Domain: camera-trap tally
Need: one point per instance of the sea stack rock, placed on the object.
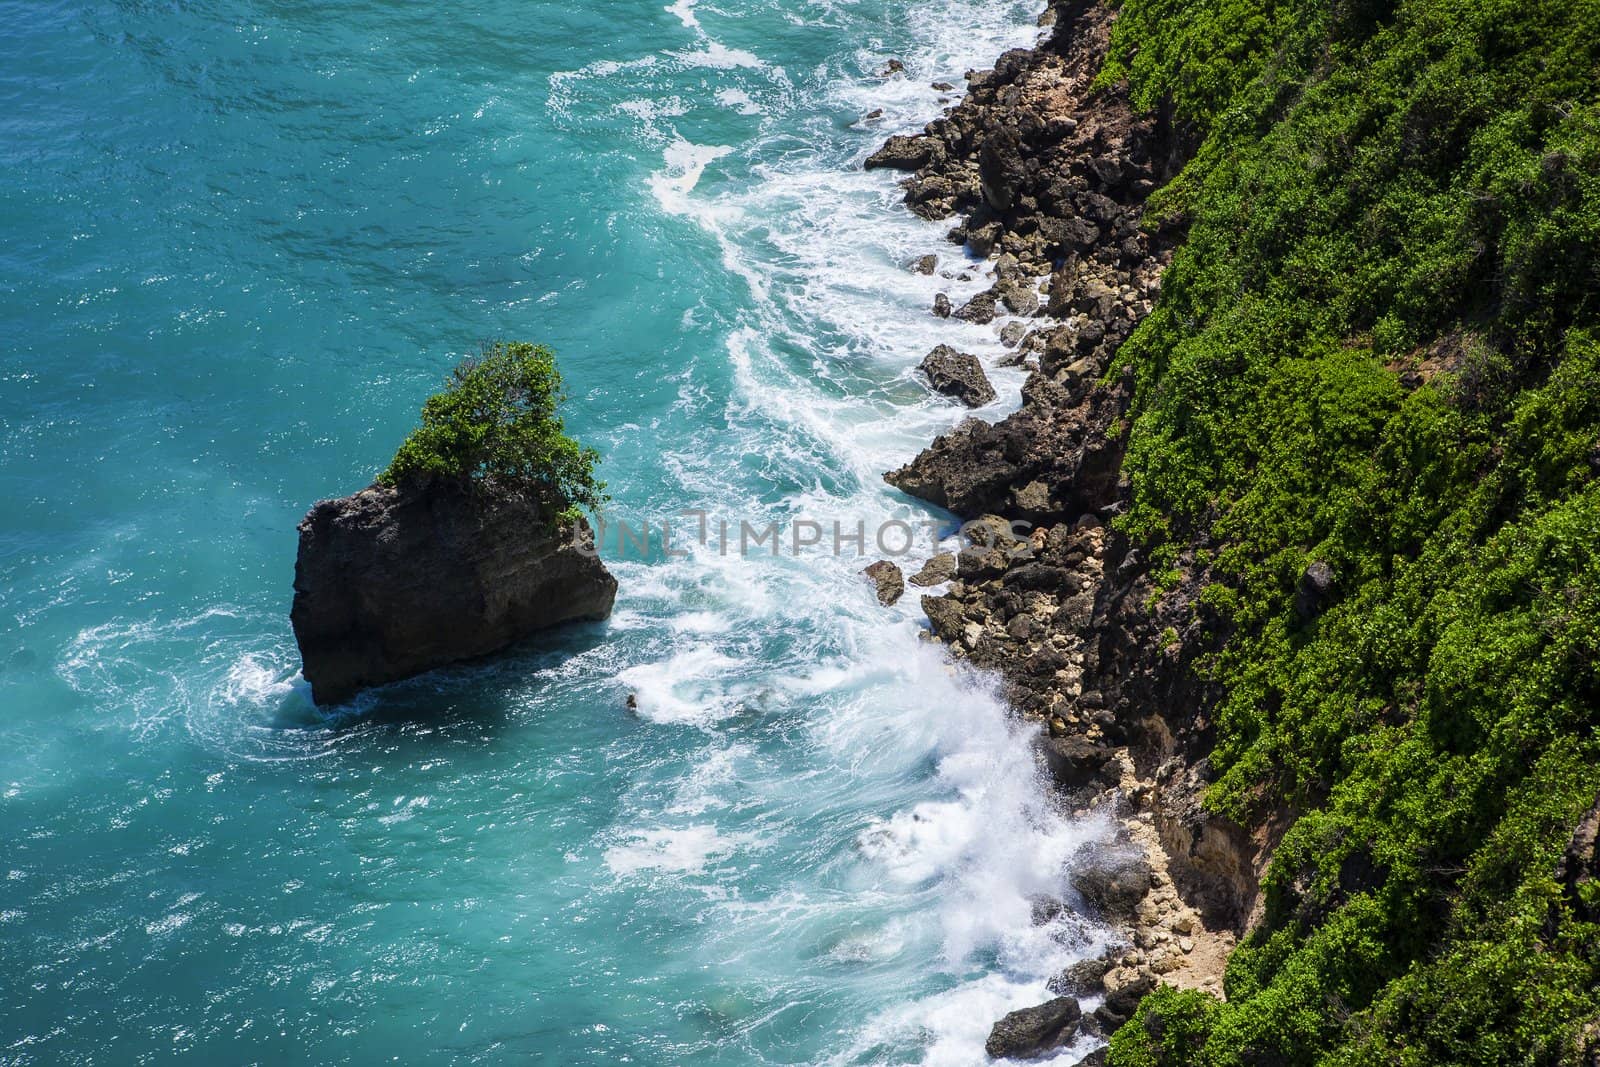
(392, 582)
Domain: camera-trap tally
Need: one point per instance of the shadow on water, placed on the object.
(477, 698)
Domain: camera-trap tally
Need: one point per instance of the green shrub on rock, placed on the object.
(496, 425)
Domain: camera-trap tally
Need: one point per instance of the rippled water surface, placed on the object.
(242, 242)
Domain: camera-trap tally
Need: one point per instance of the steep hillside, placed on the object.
(1312, 450)
(1373, 380)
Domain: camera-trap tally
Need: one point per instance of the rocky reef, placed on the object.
(394, 581)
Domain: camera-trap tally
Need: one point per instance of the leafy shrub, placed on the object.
(496, 425)
(1379, 348)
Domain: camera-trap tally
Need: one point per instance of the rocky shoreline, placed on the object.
(1047, 175)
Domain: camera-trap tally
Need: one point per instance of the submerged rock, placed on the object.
(390, 582)
(1032, 1032)
(959, 375)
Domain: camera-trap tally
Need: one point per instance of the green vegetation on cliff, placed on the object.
(497, 423)
(1379, 349)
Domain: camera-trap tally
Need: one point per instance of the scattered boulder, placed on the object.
(901, 152)
(1112, 879)
(1311, 591)
(1031, 1032)
(890, 583)
(1062, 291)
(1001, 169)
(1125, 989)
(392, 582)
(944, 617)
(941, 306)
(939, 569)
(926, 264)
(1075, 761)
(1020, 298)
(980, 309)
(959, 375)
(1082, 978)
(983, 239)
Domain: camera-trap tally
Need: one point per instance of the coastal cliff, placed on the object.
(1308, 458)
(393, 581)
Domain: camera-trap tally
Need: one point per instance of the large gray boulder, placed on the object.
(1032, 1032)
(959, 375)
(392, 582)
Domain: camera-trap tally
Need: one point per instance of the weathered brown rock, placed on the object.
(890, 583)
(979, 310)
(1084, 977)
(1075, 761)
(939, 569)
(390, 583)
(968, 470)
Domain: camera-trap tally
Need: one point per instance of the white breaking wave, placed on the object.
(929, 822)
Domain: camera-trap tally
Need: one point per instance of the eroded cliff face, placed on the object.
(392, 582)
(1049, 174)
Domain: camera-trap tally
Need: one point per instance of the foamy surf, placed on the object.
(822, 388)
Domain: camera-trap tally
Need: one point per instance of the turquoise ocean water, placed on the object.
(241, 242)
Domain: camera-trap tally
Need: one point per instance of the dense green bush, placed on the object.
(1379, 348)
(496, 424)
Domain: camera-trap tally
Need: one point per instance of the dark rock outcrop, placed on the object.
(1082, 978)
(1113, 880)
(1580, 864)
(959, 375)
(904, 153)
(390, 583)
(939, 569)
(890, 583)
(1312, 591)
(1031, 1032)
